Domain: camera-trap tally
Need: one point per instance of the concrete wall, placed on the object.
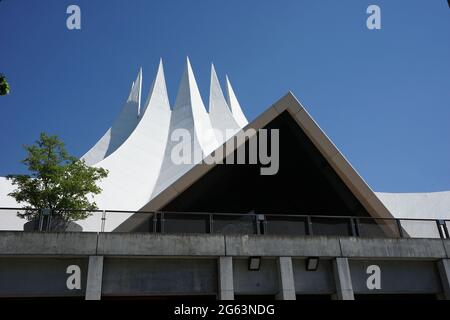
(248, 282)
(40, 277)
(124, 264)
(320, 281)
(125, 277)
(397, 277)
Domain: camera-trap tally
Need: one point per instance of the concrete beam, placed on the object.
(143, 244)
(94, 278)
(285, 279)
(343, 279)
(392, 248)
(226, 285)
(288, 246)
(447, 247)
(47, 243)
(15, 243)
(444, 272)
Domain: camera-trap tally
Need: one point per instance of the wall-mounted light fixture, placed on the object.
(312, 263)
(254, 263)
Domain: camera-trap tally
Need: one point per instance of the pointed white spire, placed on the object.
(158, 89)
(235, 106)
(189, 97)
(221, 117)
(134, 167)
(122, 127)
(190, 116)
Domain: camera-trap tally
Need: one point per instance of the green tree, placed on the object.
(57, 181)
(4, 86)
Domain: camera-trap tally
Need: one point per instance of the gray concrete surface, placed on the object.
(285, 279)
(43, 243)
(138, 276)
(392, 248)
(447, 247)
(444, 272)
(226, 287)
(94, 278)
(320, 281)
(267, 245)
(201, 264)
(343, 279)
(395, 277)
(249, 282)
(147, 244)
(160, 244)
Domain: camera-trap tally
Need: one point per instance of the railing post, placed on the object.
(162, 220)
(43, 213)
(357, 227)
(259, 220)
(258, 229)
(309, 226)
(103, 221)
(442, 228)
(49, 220)
(154, 222)
(210, 220)
(353, 227)
(41, 220)
(399, 226)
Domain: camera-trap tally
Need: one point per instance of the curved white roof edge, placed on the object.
(125, 123)
(234, 105)
(425, 205)
(220, 113)
(134, 166)
(429, 205)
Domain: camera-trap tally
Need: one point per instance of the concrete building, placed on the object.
(293, 221)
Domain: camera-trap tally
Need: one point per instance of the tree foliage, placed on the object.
(4, 86)
(57, 181)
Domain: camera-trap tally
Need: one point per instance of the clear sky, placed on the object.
(382, 96)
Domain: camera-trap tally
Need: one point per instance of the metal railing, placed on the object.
(228, 223)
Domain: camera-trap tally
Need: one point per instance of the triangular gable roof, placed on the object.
(322, 142)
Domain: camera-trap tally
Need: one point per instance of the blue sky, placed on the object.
(382, 96)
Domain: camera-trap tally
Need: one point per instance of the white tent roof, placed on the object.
(137, 152)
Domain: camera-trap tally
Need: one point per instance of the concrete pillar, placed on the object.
(343, 279)
(94, 278)
(285, 279)
(226, 286)
(444, 272)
